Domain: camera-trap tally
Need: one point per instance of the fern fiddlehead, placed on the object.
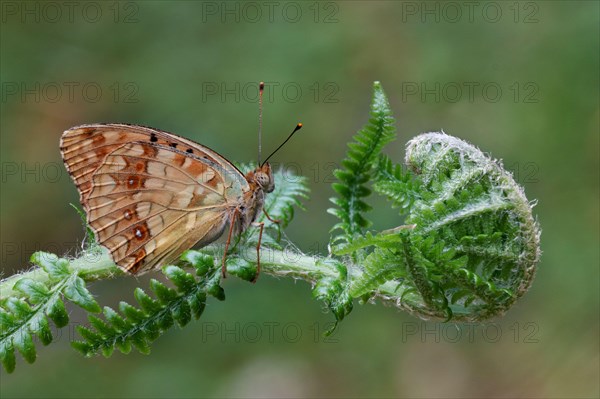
(468, 245)
(481, 214)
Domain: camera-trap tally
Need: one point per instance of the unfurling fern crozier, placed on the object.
(465, 245)
(474, 206)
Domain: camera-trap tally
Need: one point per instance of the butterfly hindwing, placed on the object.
(150, 241)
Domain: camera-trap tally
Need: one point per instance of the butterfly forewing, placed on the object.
(85, 147)
(148, 194)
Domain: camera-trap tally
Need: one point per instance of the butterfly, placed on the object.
(149, 195)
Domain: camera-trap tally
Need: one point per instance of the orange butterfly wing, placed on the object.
(84, 147)
(148, 194)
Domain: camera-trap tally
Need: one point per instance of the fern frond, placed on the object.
(138, 327)
(40, 301)
(287, 195)
(357, 168)
(279, 204)
(397, 185)
(380, 266)
(334, 291)
(381, 240)
(90, 238)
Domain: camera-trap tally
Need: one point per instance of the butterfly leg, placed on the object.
(262, 226)
(231, 225)
(276, 221)
(270, 218)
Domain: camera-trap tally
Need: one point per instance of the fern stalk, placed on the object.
(278, 263)
(91, 266)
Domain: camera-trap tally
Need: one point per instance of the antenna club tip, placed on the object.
(261, 85)
(299, 125)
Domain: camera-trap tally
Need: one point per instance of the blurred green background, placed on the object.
(517, 79)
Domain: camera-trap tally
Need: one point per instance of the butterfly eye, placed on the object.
(264, 181)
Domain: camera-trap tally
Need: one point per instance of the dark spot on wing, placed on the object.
(139, 261)
(141, 232)
(153, 138)
(189, 151)
(128, 214)
(87, 131)
(135, 182)
(174, 145)
(98, 140)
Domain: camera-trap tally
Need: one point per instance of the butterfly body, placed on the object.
(149, 195)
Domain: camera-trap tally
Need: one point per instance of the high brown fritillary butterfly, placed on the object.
(149, 195)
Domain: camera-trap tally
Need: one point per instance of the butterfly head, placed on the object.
(263, 177)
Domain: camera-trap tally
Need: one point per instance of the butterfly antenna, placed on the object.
(261, 88)
(298, 127)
